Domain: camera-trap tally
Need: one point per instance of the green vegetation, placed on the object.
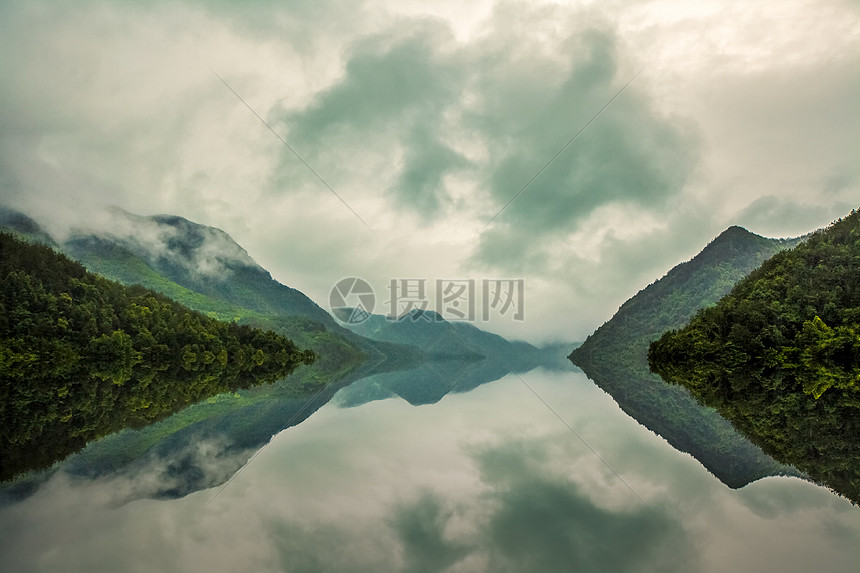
(238, 423)
(240, 291)
(119, 264)
(244, 292)
(615, 357)
(167, 254)
(187, 254)
(82, 356)
(779, 356)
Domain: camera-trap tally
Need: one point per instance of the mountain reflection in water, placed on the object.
(482, 479)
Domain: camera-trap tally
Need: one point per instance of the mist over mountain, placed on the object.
(173, 241)
(201, 258)
(24, 226)
(205, 269)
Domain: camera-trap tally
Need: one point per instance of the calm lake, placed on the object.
(489, 479)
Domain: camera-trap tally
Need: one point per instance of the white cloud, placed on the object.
(116, 104)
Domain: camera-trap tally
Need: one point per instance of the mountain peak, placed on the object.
(173, 241)
(737, 241)
(25, 227)
(736, 233)
(735, 230)
(417, 314)
(17, 221)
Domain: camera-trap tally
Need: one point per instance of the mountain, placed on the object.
(200, 258)
(428, 331)
(779, 356)
(461, 358)
(24, 227)
(205, 269)
(615, 356)
(82, 356)
(209, 260)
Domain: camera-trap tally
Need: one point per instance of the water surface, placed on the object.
(484, 480)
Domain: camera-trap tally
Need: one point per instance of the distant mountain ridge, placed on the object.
(435, 336)
(615, 356)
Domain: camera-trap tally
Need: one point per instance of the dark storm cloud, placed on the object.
(420, 184)
(630, 155)
(393, 93)
(387, 79)
(517, 98)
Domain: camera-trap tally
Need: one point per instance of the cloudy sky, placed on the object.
(441, 140)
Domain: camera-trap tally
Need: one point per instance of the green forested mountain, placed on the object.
(615, 356)
(205, 269)
(779, 356)
(202, 259)
(213, 297)
(82, 356)
(202, 256)
(24, 227)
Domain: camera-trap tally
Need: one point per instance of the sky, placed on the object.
(585, 147)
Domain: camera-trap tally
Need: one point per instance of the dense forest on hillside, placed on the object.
(615, 356)
(170, 248)
(779, 356)
(242, 292)
(82, 356)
